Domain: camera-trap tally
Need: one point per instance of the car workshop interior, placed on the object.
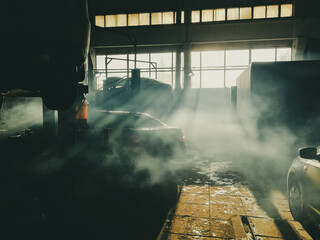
(160, 120)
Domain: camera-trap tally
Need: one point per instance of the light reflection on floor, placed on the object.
(230, 212)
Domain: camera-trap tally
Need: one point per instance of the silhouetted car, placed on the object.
(44, 48)
(155, 97)
(140, 133)
(303, 183)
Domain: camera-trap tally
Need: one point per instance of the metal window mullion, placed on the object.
(200, 69)
(226, 14)
(128, 63)
(224, 69)
(127, 19)
(252, 12)
(172, 69)
(149, 65)
(266, 12)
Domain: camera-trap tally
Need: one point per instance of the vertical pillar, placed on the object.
(67, 126)
(48, 121)
(187, 46)
(135, 80)
(178, 70)
(187, 67)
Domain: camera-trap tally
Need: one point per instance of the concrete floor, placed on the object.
(215, 202)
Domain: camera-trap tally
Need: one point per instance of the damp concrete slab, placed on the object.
(231, 212)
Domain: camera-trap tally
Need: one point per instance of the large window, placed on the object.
(160, 66)
(218, 69)
(211, 69)
(197, 16)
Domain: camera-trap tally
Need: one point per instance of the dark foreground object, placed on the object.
(75, 193)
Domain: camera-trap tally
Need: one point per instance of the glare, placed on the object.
(212, 58)
(263, 55)
(237, 57)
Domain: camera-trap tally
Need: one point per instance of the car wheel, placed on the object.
(296, 203)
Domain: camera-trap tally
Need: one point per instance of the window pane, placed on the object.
(286, 10)
(101, 62)
(212, 59)
(111, 20)
(219, 14)
(263, 55)
(144, 74)
(145, 58)
(195, 16)
(117, 64)
(144, 19)
(233, 14)
(165, 77)
(237, 58)
(121, 20)
(246, 13)
(231, 77)
(195, 79)
(284, 54)
(167, 17)
(259, 12)
(182, 16)
(156, 18)
(212, 79)
(133, 19)
(207, 15)
(195, 59)
(100, 21)
(163, 60)
(100, 78)
(272, 11)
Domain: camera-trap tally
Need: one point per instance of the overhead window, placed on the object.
(168, 18)
(100, 21)
(144, 19)
(233, 13)
(220, 14)
(182, 16)
(110, 21)
(207, 15)
(133, 19)
(156, 18)
(195, 16)
(121, 20)
(272, 11)
(286, 10)
(138, 19)
(245, 13)
(259, 12)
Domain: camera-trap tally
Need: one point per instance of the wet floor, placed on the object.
(218, 201)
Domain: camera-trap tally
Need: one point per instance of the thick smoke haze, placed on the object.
(212, 128)
(17, 114)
